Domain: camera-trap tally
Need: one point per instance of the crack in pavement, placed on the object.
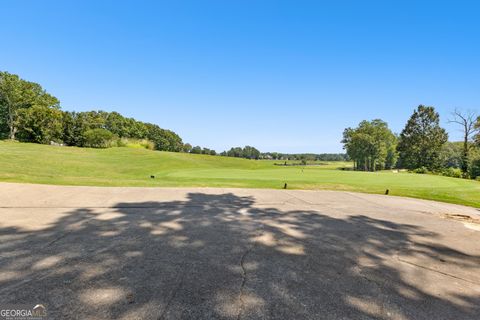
(172, 297)
(298, 198)
(63, 235)
(244, 270)
(436, 271)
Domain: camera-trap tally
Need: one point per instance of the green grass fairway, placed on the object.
(34, 163)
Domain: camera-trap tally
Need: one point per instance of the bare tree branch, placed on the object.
(469, 127)
(467, 120)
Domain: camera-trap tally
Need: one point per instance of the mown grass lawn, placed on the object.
(33, 163)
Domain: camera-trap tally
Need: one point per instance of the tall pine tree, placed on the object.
(421, 140)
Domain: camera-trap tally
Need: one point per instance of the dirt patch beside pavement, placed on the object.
(462, 217)
(467, 220)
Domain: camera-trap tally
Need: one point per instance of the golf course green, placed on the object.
(35, 163)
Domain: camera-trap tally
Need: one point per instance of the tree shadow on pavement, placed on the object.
(220, 256)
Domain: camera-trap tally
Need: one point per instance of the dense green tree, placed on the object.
(125, 127)
(451, 155)
(476, 137)
(40, 124)
(156, 135)
(174, 141)
(71, 131)
(371, 145)
(196, 150)
(360, 147)
(93, 119)
(475, 169)
(474, 165)
(187, 147)
(118, 124)
(247, 152)
(421, 140)
(4, 127)
(250, 152)
(17, 94)
(208, 151)
(164, 140)
(76, 124)
(136, 129)
(235, 152)
(392, 156)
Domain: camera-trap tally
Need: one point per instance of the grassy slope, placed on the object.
(22, 162)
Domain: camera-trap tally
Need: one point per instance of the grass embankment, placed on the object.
(33, 163)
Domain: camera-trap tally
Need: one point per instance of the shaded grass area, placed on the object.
(33, 163)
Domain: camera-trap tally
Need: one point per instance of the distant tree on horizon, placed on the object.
(187, 147)
(196, 150)
(247, 152)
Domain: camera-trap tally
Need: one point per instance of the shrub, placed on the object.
(99, 138)
(140, 143)
(122, 142)
(421, 170)
(136, 143)
(452, 172)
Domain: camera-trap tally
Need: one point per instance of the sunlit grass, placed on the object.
(33, 163)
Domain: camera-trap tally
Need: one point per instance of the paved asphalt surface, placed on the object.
(201, 253)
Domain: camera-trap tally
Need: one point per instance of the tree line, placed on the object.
(305, 156)
(28, 113)
(422, 146)
(249, 152)
(187, 147)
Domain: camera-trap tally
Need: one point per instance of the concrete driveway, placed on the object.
(151, 253)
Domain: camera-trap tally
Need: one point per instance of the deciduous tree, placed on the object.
(40, 124)
(17, 94)
(466, 121)
(371, 145)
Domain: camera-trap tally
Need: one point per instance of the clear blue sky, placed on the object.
(279, 75)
